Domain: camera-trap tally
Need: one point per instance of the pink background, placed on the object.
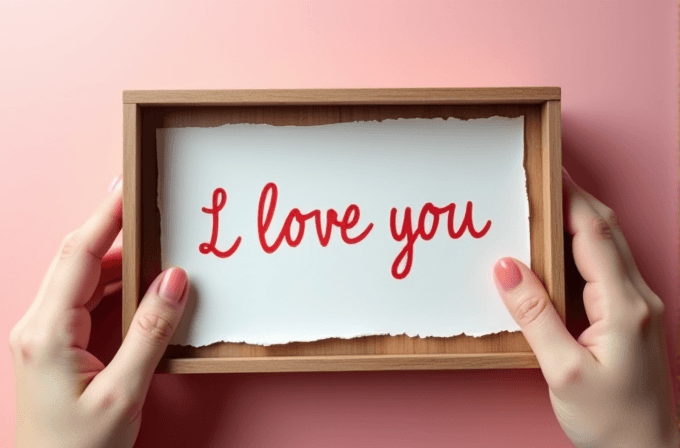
(65, 64)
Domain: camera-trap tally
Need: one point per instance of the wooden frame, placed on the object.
(145, 111)
(677, 145)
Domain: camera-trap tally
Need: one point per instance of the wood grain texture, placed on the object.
(677, 143)
(348, 363)
(482, 95)
(502, 350)
(533, 166)
(552, 196)
(132, 190)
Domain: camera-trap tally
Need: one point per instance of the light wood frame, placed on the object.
(145, 111)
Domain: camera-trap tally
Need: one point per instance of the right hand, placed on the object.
(612, 386)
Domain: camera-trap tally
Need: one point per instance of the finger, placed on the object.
(104, 226)
(152, 326)
(78, 265)
(619, 239)
(96, 298)
(597, 258)
(595, 253)
(85, 367)
(561, 358)
(79, 327)
(101, 292)
(110, 279)
(54, 314)
(116, 253)
(112, 266)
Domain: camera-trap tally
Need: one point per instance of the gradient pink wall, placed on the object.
(63, 66)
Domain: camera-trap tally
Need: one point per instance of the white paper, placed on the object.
(312, 292)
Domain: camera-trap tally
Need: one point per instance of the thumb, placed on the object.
(152, 326)
(558, 353)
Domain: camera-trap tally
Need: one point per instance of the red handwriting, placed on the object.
(350, 219)
(410, 235)
(270, 195)
(219, 200)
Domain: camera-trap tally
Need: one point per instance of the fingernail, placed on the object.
(115, 182)
(507, 273)
(172, 285)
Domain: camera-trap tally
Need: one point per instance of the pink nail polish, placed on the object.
(115, 182)
(507, 273)
(172, 285)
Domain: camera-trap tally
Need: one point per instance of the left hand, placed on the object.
(65, 396)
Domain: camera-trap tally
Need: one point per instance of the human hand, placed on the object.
(65, 397)
(611, 387)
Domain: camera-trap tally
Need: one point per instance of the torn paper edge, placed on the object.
(297, 339)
